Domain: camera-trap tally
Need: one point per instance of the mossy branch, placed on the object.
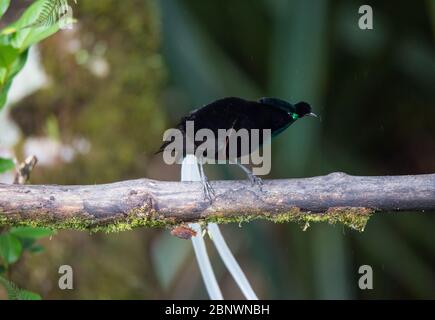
(119, 206)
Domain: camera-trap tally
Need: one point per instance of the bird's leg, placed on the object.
(209, 193)
(253, 178)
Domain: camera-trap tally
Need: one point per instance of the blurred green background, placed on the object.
(130, 69)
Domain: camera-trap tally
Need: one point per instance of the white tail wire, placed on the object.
(190, 172)
(231, 262)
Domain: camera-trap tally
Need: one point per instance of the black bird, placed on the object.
(237, 113)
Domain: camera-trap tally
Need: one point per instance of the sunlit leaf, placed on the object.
(21, 36)
(8, 55)
(15, 41)
(53, 11)
(4, 5)
(9, 74)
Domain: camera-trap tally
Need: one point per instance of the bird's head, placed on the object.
(295, 111)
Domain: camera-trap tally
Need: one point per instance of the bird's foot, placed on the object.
(255, 181)
(209, 193)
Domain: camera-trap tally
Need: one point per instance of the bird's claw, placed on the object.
(256, 181)
(209, 193)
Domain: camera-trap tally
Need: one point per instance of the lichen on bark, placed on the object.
(354, 218)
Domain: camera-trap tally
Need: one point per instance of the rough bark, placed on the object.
(336, 197)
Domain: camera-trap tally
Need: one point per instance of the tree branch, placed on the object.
(336, 197)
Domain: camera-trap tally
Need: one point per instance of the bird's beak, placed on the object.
(312, 115)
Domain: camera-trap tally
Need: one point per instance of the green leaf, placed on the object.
(27, 295)
(21, 36)
(4, 5)
(53, 11)
(10, 248)
(31, 233)
(9, 74)
(36, 248)
(11, 288)
(15, 41)
(27, 243)
(8, 55)
(6, 164)
(15, 293)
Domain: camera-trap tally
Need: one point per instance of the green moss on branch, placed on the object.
(354, 218)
